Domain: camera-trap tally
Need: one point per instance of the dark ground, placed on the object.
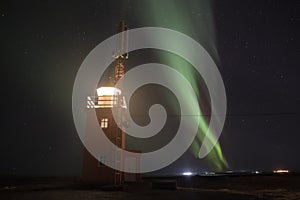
(280, 187)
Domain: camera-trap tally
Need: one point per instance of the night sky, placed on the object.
(44, 43)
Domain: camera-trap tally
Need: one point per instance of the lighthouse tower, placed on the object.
(106, 99)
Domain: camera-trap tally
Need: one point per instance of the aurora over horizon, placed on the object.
(179, 18)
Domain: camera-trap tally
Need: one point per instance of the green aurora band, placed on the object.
(194, 18)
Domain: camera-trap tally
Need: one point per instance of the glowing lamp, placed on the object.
(281, 171)
(108, 97)
(108, 91)
(187, 173)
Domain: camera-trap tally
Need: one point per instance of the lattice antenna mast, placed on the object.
(122, 48)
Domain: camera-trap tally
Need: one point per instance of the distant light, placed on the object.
(108, 91)
(280, 171)
(187, 173)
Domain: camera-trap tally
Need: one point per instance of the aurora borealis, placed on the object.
(177, 16)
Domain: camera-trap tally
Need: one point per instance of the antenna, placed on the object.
(122, 50)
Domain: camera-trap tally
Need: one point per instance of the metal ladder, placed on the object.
(118, 180)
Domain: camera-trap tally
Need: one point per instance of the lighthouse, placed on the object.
(107, 98)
